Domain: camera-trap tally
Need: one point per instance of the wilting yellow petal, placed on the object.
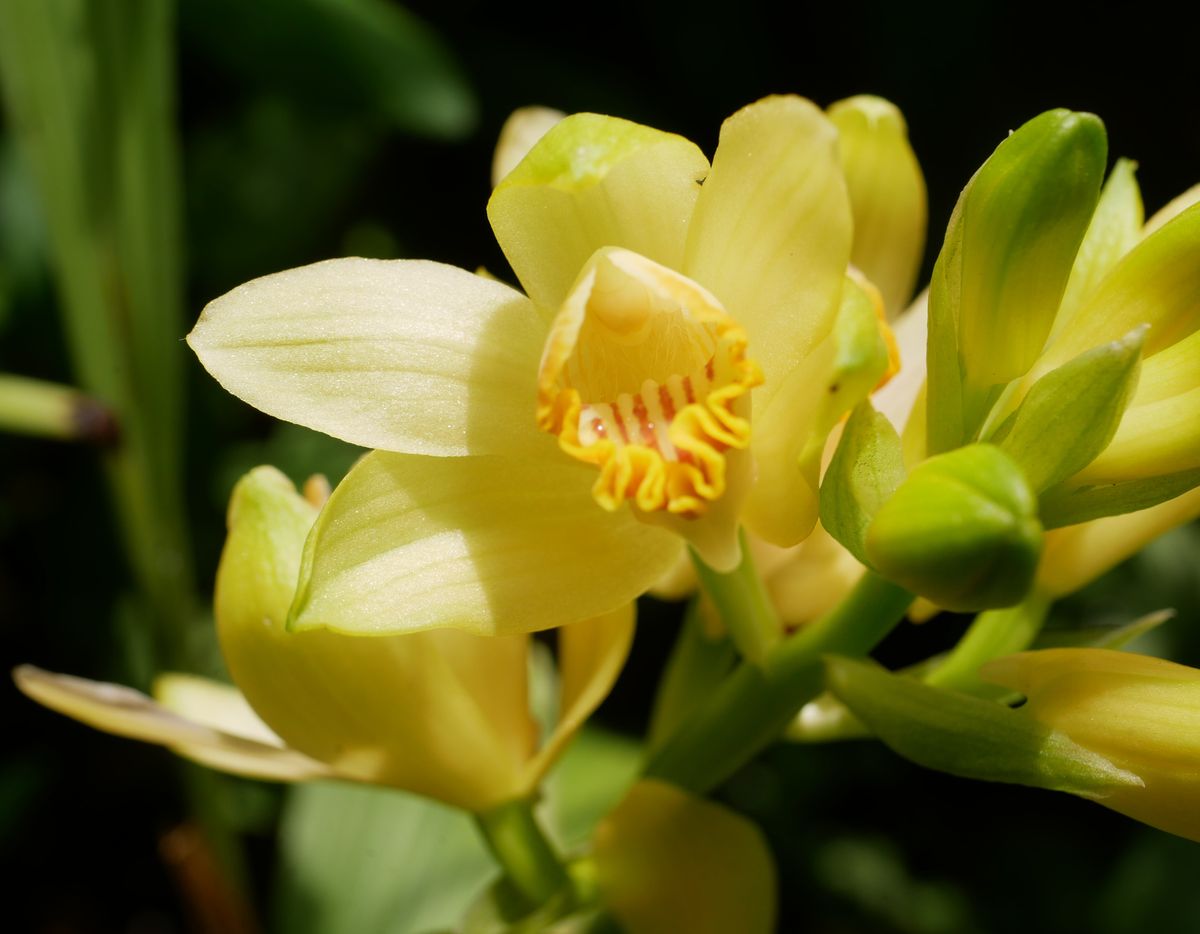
(523, 128)
(1076, 555)
(592, 182)
(486, 544)
(404, 355)
(591, 655)
(218, 740)
(667, 862)
(443, 714)
(771, 233)
(887, 195)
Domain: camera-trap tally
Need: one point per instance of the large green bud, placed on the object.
(961, 530)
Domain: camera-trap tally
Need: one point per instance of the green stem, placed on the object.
(699, 662)
(50, 410)
(517, 841)
(743, 602)
(755, 703)
(992, 634)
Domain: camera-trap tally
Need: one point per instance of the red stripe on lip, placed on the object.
(667, 403)
(687, 390)
(620, 422)
(639, 412)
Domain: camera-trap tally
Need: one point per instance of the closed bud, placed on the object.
(962, 531)
(1140, 713)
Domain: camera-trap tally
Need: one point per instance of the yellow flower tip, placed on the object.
(521, 131)
(646, 377)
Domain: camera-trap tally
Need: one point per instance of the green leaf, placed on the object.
(1062, 505)
(368, 58)
(967, 736)
(1071, 414)
(1005, 263)
(375, 861)
(593, 775)
(962, 531)
(866, 469)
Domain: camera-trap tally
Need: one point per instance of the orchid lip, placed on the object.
(645, 376)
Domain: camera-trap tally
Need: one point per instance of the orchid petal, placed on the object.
(591, 655)
(443, 714)
(771, 232)
(592, 182)
(1172, 209)
(887, 195)
(403, 355)
(667, 861)
(1076, 555)
(523, 128)
(123, 711)
(486, 544)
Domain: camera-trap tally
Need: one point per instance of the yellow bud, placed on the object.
(1139, 712)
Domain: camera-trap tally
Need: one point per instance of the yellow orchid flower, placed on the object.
(1140, 713)
(444, 714)
(542, 459)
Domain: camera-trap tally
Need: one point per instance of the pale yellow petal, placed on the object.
(815, 576)
(887, 195)
(443, 714)
(211, 703)
(1157, 438)
(1076, 555)
(667, 862)
(123, 711)
(404, 355)
(591, 182)
(486, 544)
(523, 128)
(896, 399)
(771, 233)
(591, 655)
(1172, 209)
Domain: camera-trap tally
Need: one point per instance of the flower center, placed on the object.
(646, 376)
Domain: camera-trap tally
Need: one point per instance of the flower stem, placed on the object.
(743, 603)
(520, 846)
(756, 702)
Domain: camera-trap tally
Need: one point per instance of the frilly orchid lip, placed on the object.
(416, 358)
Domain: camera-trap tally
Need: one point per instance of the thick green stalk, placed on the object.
(992, 634)
(743, 603)
(756, 702)
(529, 860)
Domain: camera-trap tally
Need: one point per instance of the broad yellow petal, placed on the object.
(592, 182)
(523, 128)
(667, 861)
(442, 714)
(591, 655)
(771, 233)
(1076, 555)
(403, 355)
(485, 544)
(247, 749)
(887, 195)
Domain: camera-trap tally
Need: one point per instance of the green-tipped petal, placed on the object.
(667, 862)
(1157, 283)
(221, 737)
(887, 195)
(486, 544)
(968, 736)
(590, 656)
(403, 355)
(523, 128)
(592, 182)
(1172, 209)
(1115, 229)
(444, 714)
(771, 233)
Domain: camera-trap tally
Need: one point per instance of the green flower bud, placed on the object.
(962, 531)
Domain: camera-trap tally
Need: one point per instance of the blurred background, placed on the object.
(286, 131)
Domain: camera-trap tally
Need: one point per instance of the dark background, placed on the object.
(278, 174)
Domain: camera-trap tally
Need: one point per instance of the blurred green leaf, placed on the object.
(375, 861)
(361, 58)
(588, 782)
